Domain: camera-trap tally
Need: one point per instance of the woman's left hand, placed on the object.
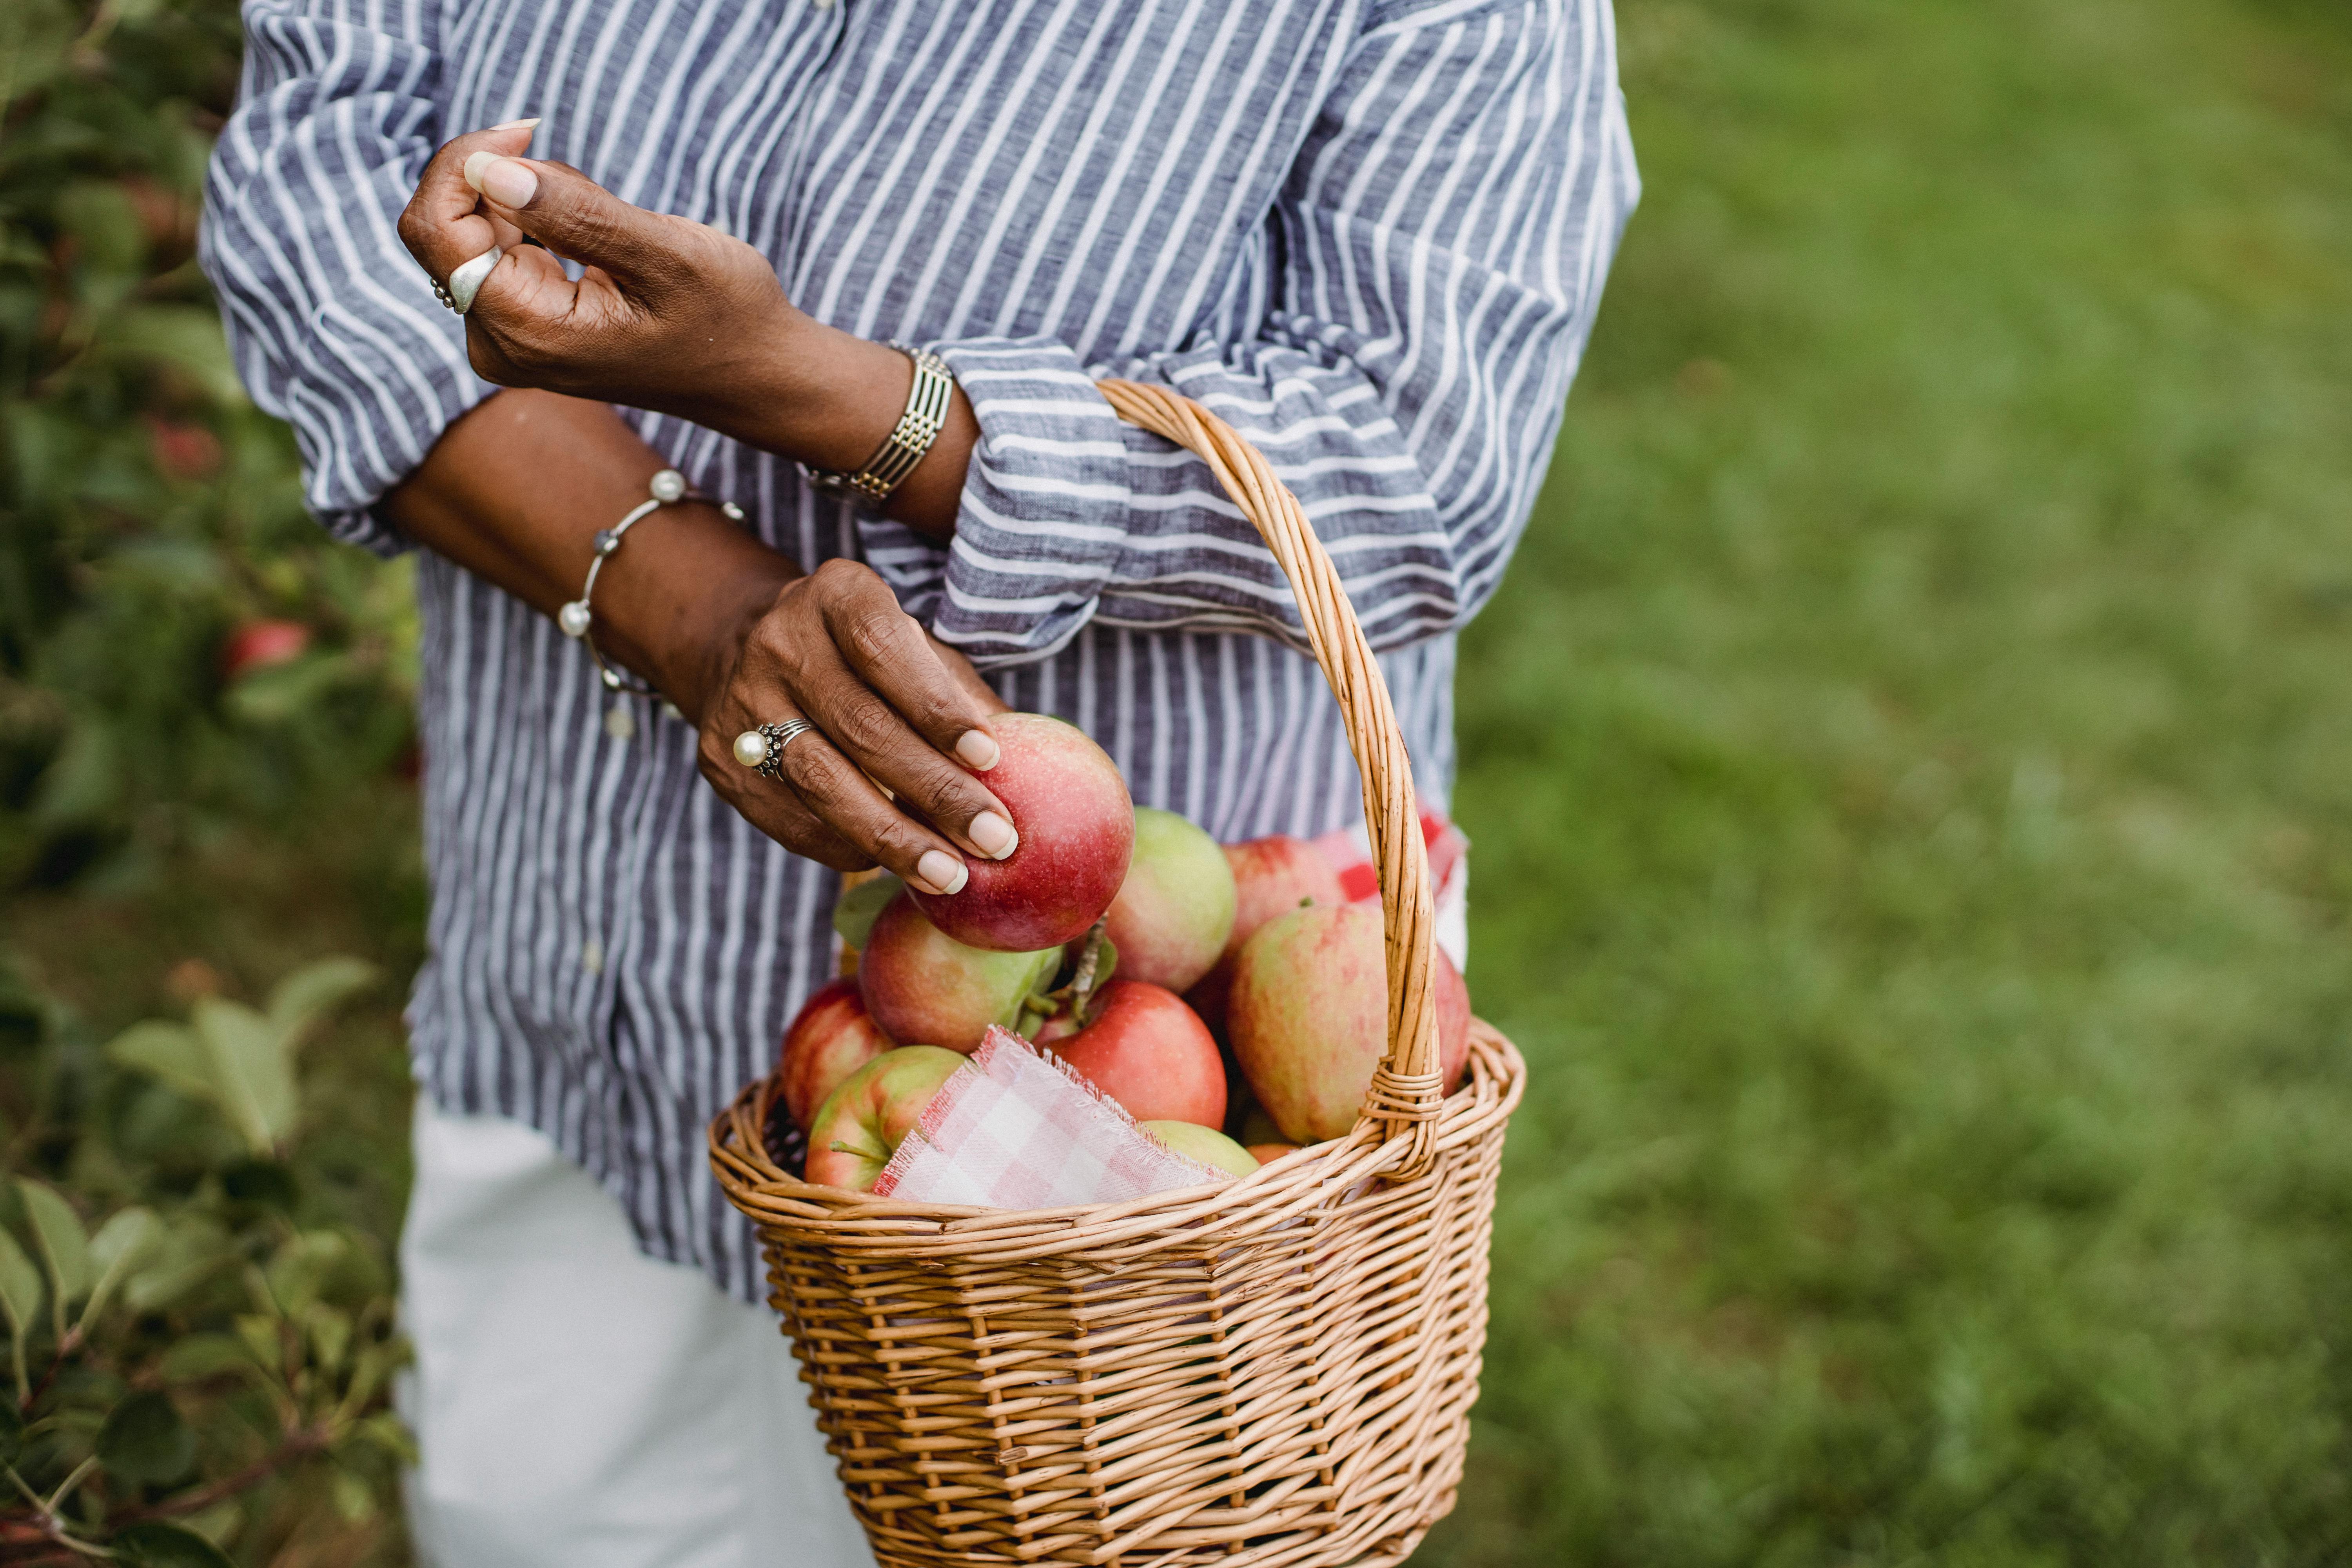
(670, 315)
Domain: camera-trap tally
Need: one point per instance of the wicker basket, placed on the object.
(1278, 1371)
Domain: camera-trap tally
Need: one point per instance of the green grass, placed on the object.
(1908, 766)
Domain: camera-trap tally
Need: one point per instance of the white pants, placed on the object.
(577, 1403)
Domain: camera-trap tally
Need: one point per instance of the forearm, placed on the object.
(515, 492)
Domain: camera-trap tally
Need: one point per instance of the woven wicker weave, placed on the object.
(1278, 1371)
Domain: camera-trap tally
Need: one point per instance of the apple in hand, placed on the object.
(831, 1037)
(1143, 1047)
(1172, 913)
(1310, 1017)
(1212, 1148)
(1272, 876)
(862, 1122)
(924, 987)
(1076, 828)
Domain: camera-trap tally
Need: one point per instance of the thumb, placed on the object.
(569, 214)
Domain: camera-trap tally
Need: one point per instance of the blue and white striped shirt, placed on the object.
(1371, 234)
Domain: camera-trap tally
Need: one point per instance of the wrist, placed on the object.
(814, 393)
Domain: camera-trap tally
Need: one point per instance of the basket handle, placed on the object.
(1406, 1088)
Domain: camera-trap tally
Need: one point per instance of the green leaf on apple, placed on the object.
(855, 912)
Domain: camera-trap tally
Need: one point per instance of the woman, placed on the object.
(1371, 234)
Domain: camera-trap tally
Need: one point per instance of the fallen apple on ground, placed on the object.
(1206, 1145)
(1272, 876)
(861, 1124)
(1143, 1047)
(1308, 1017)
(831, 1037)
(924, 987)
(1076, 828)
(1174, 911)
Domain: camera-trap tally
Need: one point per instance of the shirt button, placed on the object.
(822, 5)
(591, 956)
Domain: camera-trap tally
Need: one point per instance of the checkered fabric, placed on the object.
(1013, 1128)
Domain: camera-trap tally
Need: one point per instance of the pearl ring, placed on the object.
(762, 749)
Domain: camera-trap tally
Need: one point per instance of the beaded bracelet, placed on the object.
(667, 487)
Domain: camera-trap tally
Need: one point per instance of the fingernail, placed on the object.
(979, 750)
(504, 181)
(517, 125)
(943, 872)
(993, 835)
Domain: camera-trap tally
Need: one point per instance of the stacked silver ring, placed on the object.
(763, 750)
(465, 280)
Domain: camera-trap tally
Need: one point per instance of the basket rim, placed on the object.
(756, 1185)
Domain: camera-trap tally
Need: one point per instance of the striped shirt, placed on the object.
(1371, 234)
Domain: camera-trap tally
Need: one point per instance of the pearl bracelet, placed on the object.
(667, 487)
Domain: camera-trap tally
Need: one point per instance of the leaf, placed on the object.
(171, 1052)
(144, 1439)
(354, 1499)
(331, 1337)
(298, 1270)
(252, 1069)
(20, 1286)
(308, 995)
(187, 338)
(855, 912)
(64, 1244)
(191, 1248)
(387, 1431)
(201, 1356)
(12, 1430)
(155, 1544)
(120, 1244)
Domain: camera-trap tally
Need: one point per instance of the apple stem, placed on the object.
(1082, 985)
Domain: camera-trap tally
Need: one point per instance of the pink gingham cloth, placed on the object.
(1012, 1129)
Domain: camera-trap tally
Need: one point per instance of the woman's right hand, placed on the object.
(891, 705)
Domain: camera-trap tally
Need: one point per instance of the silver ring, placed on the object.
(465, 280)
(763, 750)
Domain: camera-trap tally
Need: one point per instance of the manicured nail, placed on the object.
(504, 181)
(942, 873)
(519, 124)
(979, 750)
(993, 835)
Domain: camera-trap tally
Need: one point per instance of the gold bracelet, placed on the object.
(911, 440)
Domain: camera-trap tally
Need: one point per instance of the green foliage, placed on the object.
(1908, 768)
(216, 1352)
(148, 512)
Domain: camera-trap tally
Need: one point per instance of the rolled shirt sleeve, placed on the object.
(335, 330)
(1438, 252)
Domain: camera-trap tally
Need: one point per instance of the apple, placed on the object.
(831, 1037)
(924, 987)
(1212, 1148)
(1076, 825)
(1272, 876)
(1174, 911)
(257, 645)
(1143, 1047)
(1268, 1153)
(1309, 1015)
(862, 1122)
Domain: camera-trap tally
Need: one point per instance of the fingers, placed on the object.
(826, 808)
(569, 213)
(443, 225)
(893, 654)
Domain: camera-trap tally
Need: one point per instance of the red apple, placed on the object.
(831, 1037)
(1268, 1153)
(1148, 1051)
(1077, 830)
(862, 1122)
(1212, 1148)
(924, 987)
(1173, 911)
(257, 645)
(1310, 1017)
(1272, 876)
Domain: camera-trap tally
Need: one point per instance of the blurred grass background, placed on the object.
(1908, 765)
